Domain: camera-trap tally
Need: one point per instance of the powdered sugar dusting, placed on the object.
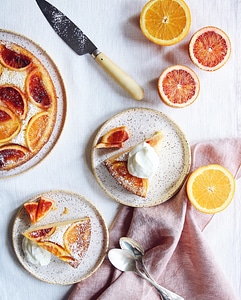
(13, 77)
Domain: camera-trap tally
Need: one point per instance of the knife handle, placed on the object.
(123, 79)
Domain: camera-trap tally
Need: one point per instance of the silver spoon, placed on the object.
(136, 249)
(123, 260)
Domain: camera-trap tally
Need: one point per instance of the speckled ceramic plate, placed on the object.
(174, 157)
(59, 272)
(42, 56)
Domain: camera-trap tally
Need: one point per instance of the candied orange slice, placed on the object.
(114, 138)
(9, 125)
(39, 234)
(77, 237)
(31, 208)
(38, 131)
(12, 155)
(13, 58)
(37, 89)
(14, 99)
(45, 205)
(56, 250)
(38, 209)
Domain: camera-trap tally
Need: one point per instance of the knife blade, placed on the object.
(81, 44)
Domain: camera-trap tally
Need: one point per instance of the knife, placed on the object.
(81, 44)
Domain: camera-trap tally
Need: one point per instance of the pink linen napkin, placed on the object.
(177, 254)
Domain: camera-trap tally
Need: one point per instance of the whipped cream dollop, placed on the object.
(142, 161)
(34, 253)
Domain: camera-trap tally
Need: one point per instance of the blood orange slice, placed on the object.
(178, 86)
(14, 59)
(209, 48)
(9, 125)
(31, 208)
(39, 234)
(37, 89)
(114, 138)
(45, 205)
(12, 155)
(14, 99)
(38, 209)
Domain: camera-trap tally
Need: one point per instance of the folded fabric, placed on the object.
(177, 254)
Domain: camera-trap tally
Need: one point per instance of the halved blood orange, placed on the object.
(9, 125)
(38, 131)
(14, 99)
(13, 58)
(209, 48)
(165, 22)
(178, 86)
(12, 154)
(77, 237)
(114, 138)
(37, 89)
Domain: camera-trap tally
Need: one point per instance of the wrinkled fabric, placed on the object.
(177, 254)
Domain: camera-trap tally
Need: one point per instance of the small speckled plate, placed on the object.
(175, 156)
(59, 272)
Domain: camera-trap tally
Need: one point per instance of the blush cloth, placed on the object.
(177, 254)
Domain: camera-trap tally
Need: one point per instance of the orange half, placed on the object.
(178, 86)
(211, 188)
(209, 48)
(165, 22)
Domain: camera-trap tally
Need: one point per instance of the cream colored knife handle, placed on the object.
(123, 79)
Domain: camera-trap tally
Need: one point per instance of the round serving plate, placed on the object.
(47, 62)
(175, 157)
(70, 206)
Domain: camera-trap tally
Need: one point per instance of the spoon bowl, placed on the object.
(124, 261)
(133, 246)
(136, 249)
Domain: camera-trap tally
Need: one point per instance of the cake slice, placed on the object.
(67, 240)
(117, 165)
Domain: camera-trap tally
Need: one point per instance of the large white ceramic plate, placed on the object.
(174, 157)
(58, 272)
(48, 63)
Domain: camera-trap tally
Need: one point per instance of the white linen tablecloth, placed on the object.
(92, 98)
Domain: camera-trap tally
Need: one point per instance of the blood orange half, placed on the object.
(209, 48)
(178, 86)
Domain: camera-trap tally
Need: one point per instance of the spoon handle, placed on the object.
(164, 293)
